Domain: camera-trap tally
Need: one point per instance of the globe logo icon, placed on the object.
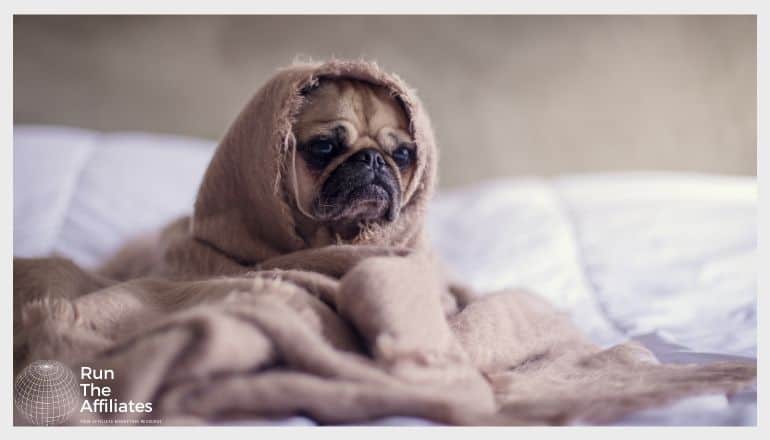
(46, 392)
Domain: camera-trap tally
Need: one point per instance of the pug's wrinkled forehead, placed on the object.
(361, 110)
(354, 154)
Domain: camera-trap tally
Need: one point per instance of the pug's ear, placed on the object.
(296, 190)
(290, 142)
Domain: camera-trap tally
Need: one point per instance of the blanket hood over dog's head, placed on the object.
(246, 205)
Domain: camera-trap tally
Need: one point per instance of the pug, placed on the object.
(354, 158)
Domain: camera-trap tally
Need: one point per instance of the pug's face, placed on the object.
(354, 155)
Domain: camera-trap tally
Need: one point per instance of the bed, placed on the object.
(669, 259)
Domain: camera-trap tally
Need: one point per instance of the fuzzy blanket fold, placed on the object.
(229, 314)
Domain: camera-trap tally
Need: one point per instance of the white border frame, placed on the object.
(393, 7)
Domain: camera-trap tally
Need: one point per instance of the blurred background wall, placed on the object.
(509, 95)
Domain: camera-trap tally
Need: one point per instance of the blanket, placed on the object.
(229, 314)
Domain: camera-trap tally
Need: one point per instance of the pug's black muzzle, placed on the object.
(361, 188)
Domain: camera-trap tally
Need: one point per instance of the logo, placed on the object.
(49, 393)
(46, 392)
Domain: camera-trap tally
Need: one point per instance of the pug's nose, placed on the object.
(371, 157)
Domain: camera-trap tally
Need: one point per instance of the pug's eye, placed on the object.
(319, 153)
(403, 156)
(322, 148)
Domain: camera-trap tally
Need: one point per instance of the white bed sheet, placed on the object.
(665, 258)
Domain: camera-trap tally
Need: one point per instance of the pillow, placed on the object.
(81, 193)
